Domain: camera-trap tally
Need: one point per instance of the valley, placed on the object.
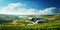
(30, 22)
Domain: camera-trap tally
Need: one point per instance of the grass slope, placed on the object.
(54, 25)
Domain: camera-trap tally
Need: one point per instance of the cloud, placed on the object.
(48, 10)
(19, 9)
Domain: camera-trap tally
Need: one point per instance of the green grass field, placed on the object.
(53, 25)
(44, 26)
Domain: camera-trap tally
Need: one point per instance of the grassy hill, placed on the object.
(53, 25)
(45, 26)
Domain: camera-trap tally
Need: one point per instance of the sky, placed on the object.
(29, 7)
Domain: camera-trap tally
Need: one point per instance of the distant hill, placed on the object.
(4, 18)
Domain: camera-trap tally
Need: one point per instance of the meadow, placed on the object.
(53, 25)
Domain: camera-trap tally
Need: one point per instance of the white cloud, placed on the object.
(48, 10)
(18, 9)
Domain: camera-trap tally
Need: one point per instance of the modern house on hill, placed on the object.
(37, 20)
